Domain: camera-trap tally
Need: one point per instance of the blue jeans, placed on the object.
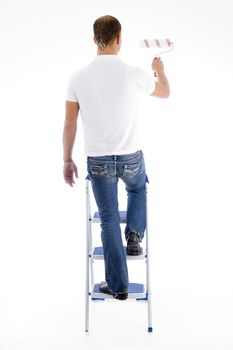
(104, 172)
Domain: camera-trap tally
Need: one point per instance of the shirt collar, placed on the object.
(104, 58)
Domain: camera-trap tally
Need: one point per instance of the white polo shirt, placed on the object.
(107, 92)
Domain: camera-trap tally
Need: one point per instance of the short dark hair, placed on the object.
(106, 28)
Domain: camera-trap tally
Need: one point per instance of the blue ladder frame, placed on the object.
(134, 288)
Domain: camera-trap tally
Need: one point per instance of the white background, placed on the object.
(188, 148)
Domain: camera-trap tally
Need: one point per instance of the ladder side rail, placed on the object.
(87, 300)
(91, 261)
(148, 266)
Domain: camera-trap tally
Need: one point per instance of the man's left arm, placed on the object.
(69, 133)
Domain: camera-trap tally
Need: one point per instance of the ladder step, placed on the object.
(135, 290)
(98, 254)
(96, 217)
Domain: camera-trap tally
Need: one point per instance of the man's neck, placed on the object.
(106, 52)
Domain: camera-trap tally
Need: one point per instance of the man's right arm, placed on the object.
(162, 88)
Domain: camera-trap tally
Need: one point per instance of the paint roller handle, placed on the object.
(155, 74)
(157, 66)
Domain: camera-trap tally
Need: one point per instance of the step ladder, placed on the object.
(137, 291)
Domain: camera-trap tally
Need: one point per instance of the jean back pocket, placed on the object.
(99, 170)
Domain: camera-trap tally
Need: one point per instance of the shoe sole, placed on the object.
(119, 296)
(122, 296)
(134, 251)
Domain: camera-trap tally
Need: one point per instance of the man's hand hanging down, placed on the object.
(69, 170)
(69, 132)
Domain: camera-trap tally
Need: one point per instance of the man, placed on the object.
(106, 93)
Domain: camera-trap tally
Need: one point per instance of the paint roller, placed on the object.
(159, 46)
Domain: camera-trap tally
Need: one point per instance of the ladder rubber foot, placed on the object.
(150, 329)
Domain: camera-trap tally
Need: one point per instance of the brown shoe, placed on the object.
(105, 289)
(133, 246)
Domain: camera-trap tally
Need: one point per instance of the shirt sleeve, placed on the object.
(71, 89)
(143, 80)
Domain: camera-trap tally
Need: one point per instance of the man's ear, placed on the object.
(118, 39)
(94, 40)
